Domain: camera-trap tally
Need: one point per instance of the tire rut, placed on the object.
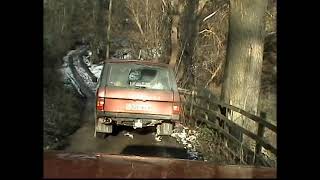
(143, 142)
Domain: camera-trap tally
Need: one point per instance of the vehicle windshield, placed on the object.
(129, 75)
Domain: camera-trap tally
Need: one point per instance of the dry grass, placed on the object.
(61, 118)
(212, 147)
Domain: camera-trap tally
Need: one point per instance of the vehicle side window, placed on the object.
(104, 75)
(119, 76)
(173, 80)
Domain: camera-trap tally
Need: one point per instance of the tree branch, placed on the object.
(164, 3)
(214, 74)
(210, 15)
(136, 18)
(201, 6)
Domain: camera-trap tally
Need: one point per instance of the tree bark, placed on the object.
(174, 33)
(243, 68)
(100, 35)
(191, 29)
(108, 29)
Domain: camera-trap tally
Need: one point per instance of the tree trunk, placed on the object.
(100, 40)
(242, 74)
(191, 29)
(108, 29)
(174, 33)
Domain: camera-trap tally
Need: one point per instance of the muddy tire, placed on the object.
(104, 128)
(100, 135)
(107, 129)
(165, 129)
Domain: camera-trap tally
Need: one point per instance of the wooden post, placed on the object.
(263, 115)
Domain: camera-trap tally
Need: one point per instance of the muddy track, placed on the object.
(85, 67)
(85, 89)
(143, 142)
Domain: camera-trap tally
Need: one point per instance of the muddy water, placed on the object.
(142, 143)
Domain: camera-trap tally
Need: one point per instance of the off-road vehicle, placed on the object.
(138, 94)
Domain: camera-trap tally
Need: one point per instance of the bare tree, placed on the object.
(176, 8)
(150, 33)
(189, 35)
(135, 8)
(242, 75)
(108, 29)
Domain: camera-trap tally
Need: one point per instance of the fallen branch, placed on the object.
(271, 33)
(212, 14)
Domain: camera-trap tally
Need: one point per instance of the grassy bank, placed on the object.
(62, 108)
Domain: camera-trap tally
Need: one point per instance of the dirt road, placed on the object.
(143, 142)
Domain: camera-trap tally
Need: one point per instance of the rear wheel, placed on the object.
(165, 129)
(100, 135)
(103, 130)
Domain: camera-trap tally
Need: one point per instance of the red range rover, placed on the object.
(138, 94)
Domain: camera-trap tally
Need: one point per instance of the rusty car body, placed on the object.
(138, 94)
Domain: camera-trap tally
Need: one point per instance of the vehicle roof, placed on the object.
(137, 62)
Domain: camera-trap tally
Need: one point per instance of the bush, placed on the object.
(61, 111)
(211, 145)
